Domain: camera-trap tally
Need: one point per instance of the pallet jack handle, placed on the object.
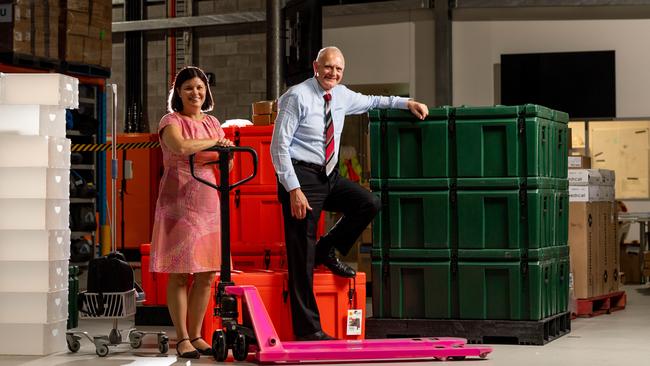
(224, 187)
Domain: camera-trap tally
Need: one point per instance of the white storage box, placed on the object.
(35, 183)
(32, 120)
(33, 307)
(33, 276)
(46, 89)
(34, 245)
(34, 151)
(32, 339)
(34, 214)
(584, 177)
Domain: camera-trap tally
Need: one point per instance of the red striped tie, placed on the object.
(330, 162)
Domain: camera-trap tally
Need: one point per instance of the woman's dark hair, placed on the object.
(174, 101)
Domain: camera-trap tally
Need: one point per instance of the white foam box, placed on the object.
(34, 151)
(583, 177)
(32, 339)
(32, 120)
(33, 307)
(33, 276)
(586, 194)
(34, 214)
(45, 89)
(34, 245)
(609, 177)
(35, 183)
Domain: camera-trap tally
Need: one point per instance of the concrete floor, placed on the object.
(620, 338)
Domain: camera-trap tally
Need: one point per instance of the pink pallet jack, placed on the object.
(257, 333)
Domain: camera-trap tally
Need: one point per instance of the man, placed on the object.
(304, 150)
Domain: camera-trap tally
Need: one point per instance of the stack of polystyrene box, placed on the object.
(34, 211)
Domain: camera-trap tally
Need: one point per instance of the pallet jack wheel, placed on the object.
(240, 348)
(219, 347)
(457, 358)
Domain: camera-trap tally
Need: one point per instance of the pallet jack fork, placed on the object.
(258, 335)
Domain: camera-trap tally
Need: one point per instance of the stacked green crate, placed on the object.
(482, 192)
(411, 257)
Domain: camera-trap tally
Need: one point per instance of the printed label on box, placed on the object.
(354, 321)
(5, 13)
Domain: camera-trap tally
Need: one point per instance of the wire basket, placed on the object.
(112, 305)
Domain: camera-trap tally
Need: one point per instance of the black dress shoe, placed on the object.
(318, 336)
(335, 265)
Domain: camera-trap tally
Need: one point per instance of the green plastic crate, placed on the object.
(489, 144)
(491, 221)
(561, 226)
(495, 290)
(555, 252)
(413, 220)
(563, 284)
(490, 290)
(402, 146)
(417, 290)
(560, 150)
(410, 254)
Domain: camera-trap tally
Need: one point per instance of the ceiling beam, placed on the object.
(189, 22)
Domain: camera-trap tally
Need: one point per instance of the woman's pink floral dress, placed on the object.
(187, 228)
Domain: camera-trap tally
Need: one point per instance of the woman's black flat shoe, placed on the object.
(205, 351)
(190, 354)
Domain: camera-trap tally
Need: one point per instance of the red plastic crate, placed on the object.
(335, 296)
(256, 219)
(148, 283)
(256, 261)
(332, 295)
(268, 284)
(259, 138)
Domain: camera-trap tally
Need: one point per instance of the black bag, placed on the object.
(107, 274)
(82, 217)
(81, 250)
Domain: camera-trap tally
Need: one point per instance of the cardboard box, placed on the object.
(274, 116)
(92, 53)
(77, 23)
(579, 162)
(263, 107)
(74, 51)
(583, 242)
(612, 280)
(261, 119)
(275, 106)
(15, 27)
(78, 5)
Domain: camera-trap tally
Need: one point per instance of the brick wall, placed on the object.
(235, 54)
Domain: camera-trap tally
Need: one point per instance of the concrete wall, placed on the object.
(478, 45)
(386, 48)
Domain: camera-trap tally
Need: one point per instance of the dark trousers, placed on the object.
(333, 193)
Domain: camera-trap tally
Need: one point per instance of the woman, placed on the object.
(186, 234)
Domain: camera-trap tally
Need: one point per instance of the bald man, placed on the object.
(304, 150)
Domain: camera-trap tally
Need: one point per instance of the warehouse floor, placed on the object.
(621, 338)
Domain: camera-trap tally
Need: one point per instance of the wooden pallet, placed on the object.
(603, 304)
